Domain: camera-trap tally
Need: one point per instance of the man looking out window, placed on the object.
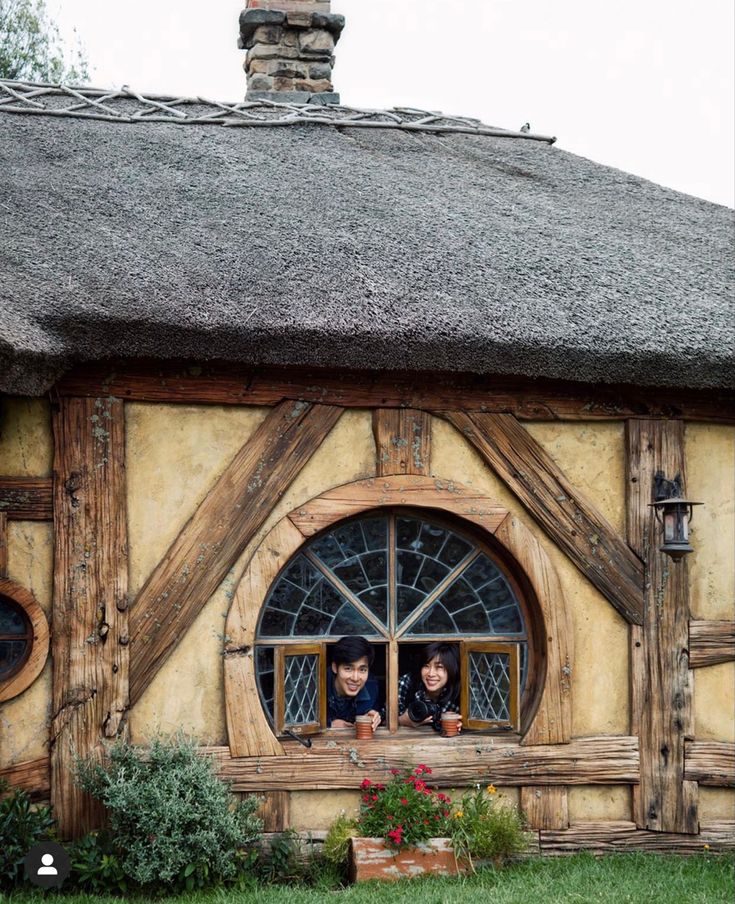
(350, 689)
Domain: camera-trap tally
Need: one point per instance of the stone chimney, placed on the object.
(290, 46)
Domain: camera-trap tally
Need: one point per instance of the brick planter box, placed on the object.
(371, 858)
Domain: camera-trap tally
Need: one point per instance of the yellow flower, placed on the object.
(459, 814)
(706, 847)
(491, 789)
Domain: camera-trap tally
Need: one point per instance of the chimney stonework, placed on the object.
(290, 46)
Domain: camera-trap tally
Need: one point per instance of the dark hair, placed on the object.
(448, 656)
(352, 648)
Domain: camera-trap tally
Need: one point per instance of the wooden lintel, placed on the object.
(710, 642)
(666, 800)
(220, 529)
(527, 399)
(402, 441)
(31, 776)
(610, 837)
(90, 619)
(710, 763)
(607, 760)
(26, 498)
(571, 520)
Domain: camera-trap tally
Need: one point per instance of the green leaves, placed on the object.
(21, 826)
(31, 48)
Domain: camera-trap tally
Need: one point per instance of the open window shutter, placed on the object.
(300, 699)
(490, 685)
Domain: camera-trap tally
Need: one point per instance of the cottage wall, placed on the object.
(174, 453)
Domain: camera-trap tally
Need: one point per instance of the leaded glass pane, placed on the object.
(11, 655)
(301, 689)
(489, 681)
(357, 554)
(303, 603)
(265, 675)
(12, 620)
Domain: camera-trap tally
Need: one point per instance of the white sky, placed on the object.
(645, 86)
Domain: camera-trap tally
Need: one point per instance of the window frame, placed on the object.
(280, 654)
(548, 715)
(38, 646)
(466, 649)
(397, 636)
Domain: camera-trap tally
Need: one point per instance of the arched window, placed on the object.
(16, 638)
(400, 578)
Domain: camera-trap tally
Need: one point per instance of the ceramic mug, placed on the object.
(363, 728)
(450, 726)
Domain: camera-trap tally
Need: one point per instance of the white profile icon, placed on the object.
(47, 869)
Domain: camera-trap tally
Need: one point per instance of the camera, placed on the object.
(418, 710)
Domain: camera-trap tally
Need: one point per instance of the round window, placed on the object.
(16, 637)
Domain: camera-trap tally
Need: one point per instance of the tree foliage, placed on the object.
(31, 48)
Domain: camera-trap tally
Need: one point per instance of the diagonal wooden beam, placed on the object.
(222, 526)
(402, 441)
(570, 519)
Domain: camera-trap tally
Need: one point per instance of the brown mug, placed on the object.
(364, 728)
(450, 725)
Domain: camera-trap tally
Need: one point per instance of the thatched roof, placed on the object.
(347, 246)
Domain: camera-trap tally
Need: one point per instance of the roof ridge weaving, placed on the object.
(128, 106)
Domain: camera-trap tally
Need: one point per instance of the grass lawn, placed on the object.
(617, 879)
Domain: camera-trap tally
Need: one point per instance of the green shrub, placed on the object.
(96, 866)
(171, 820)
(336, 848)
(21, 826)
(485, 828)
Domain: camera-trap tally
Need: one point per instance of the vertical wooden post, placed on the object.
(3, 545)
(90, 619)
(546, 806)
(402, 440)
(661, 681)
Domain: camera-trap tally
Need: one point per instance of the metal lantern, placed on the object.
(675, 513)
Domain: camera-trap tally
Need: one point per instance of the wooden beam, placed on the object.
(90, 622)
(527, 399)
(402, 441)
(609, 837)
(710, 763)
(711, 642)
(546, 806)
(570, 519)
(3, 545)
(275, 811)
(26, 498)
(31, 776)
(585, 761)
(665, 801)
(222, 526)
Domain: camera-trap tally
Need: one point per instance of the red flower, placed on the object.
(365, 783)
(395, 772)
(380, 787)
(404, 801)
(419, 785)
(427, 771)
(446, 813)
(365, 798)
(374, 797)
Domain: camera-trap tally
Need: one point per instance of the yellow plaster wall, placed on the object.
(589, 802)
(24, 720)
(26, 441)
(710, 464)
(174, 455)
(600, 670)
(26, 450)
(716, 804)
